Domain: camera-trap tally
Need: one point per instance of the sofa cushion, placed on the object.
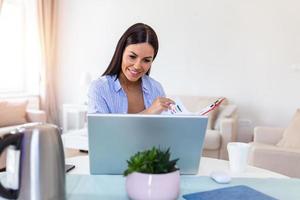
(270, 147)
(212, 140)
(12, 112)
(224, 112)
(274, 158)
(291, 135)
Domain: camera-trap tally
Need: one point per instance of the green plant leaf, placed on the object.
(152, 161)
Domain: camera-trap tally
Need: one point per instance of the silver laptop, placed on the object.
(114, 138)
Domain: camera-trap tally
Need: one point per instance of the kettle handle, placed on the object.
(11, 139)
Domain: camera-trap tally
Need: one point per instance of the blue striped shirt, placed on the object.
(106, 94)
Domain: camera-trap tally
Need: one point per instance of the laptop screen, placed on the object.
(114, 138)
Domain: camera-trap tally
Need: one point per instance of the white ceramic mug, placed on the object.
(238, 156)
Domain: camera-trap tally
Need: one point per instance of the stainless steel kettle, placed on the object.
(41, 166)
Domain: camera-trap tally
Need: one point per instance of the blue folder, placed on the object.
(229, 193)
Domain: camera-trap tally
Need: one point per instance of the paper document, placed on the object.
(179, 109)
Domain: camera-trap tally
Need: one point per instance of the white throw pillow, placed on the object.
(225, 112)
(291, 135)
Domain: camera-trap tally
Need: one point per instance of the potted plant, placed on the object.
(152, 175)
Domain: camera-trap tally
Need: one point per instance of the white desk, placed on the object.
(207, 165)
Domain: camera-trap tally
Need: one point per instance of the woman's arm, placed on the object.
(159, 104)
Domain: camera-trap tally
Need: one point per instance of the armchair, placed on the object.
(266, 154)
(222, 124)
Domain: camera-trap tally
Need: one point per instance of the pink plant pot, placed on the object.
(141, 186)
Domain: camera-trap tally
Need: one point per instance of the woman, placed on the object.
(125, 86)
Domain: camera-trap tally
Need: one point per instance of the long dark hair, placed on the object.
(137, 33)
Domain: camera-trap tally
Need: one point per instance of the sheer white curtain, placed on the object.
(1, 1)
(37, 47)
(19, 48)
(47, 18)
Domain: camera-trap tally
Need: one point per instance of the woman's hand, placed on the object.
(159, 104)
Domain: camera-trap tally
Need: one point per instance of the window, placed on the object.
(19, 49)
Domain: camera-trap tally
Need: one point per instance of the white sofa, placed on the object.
(266, 154)
(222, 124)
(31, 117)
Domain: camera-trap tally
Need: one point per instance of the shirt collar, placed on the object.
(116, 82)
(145, 83)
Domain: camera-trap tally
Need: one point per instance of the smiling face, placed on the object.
(137, 60)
